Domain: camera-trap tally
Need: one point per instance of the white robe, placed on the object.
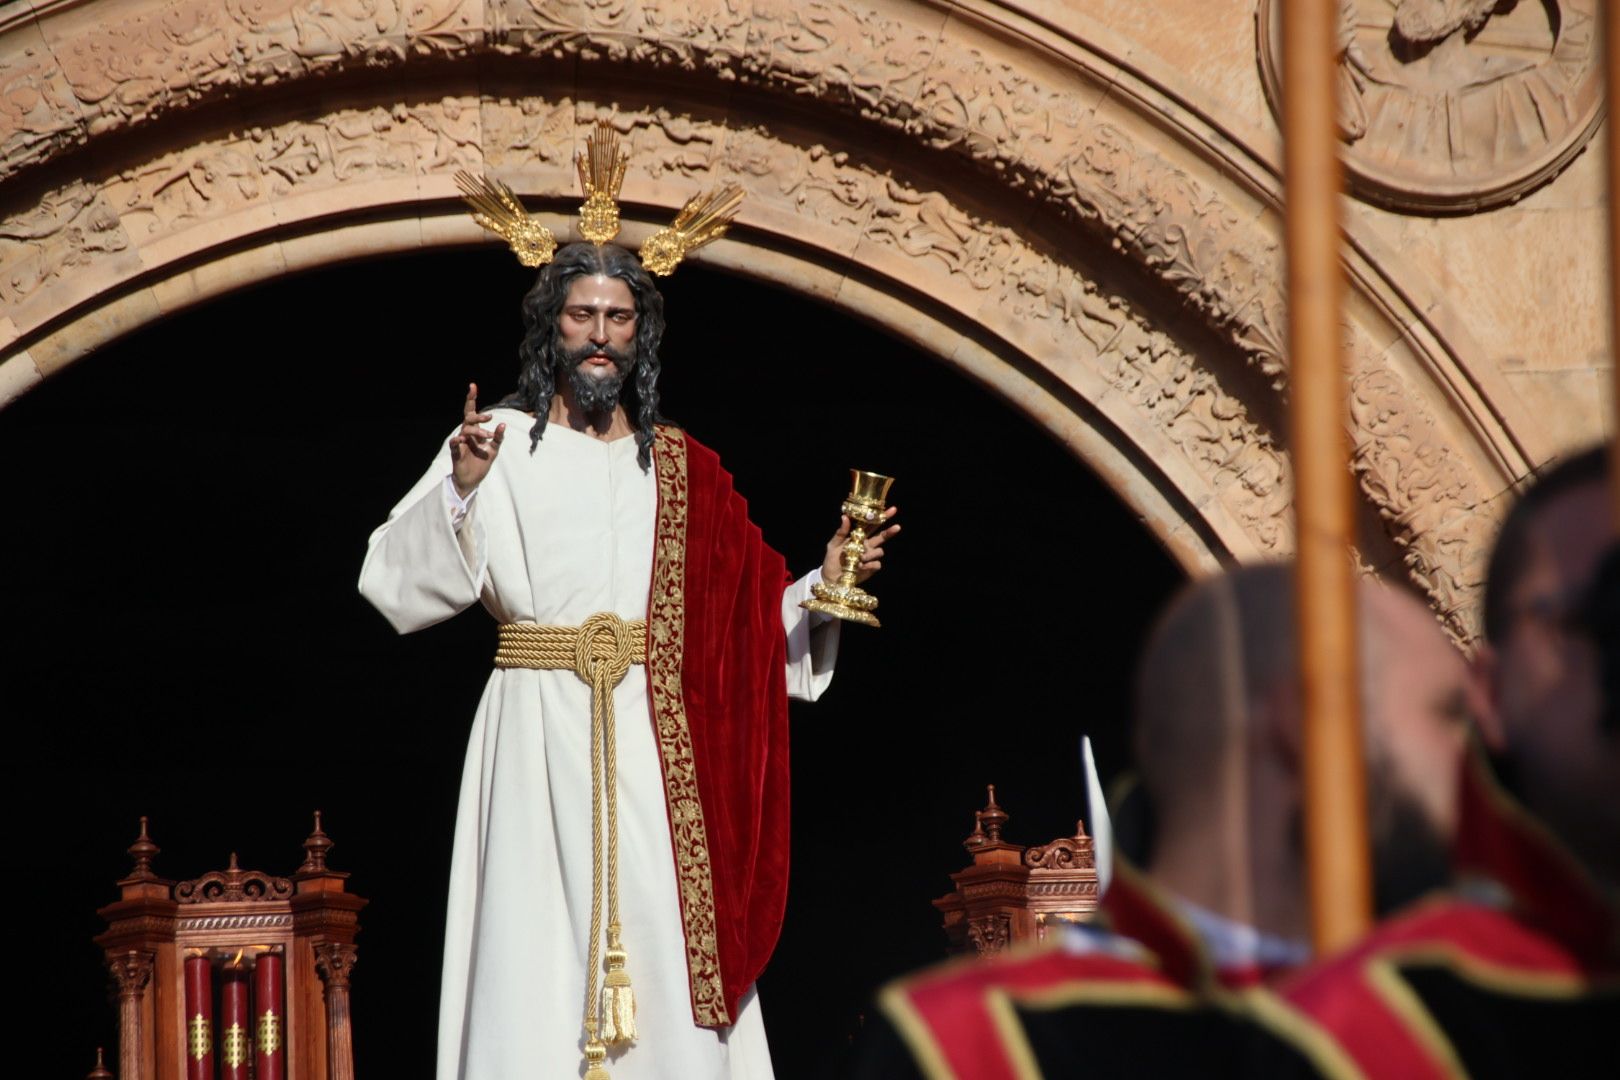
(552, 537)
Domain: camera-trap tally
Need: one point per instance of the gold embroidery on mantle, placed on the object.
(666, 624)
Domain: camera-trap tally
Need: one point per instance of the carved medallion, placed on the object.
(1456, 105)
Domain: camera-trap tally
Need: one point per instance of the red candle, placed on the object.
(234, 1032)
(269, 1020)
(199, 1019)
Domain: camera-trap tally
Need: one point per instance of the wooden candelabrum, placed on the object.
(1011, 894)
(235, 974)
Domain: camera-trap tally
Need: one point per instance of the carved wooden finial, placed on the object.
(142, 851)
(100, 1072)
(976, 839)
(993, 817)
(233, 879)
(315, 849)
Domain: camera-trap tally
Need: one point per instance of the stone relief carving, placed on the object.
(817, 182)
(1212, 428)
(1046, 290)
(38, 113)
(1032, 140)
(69, 228)
(186, 187)
(1179, 397)
(443, 27)
(992, 113)
(522, 132)
(450, 135)
(1457, 104)
(152, 60)
(1184, 232)
(671, 143)
(1396, 467)
(1353, 70)
(228, 173)
(531, 27)
(840, 53)
(1191, 239)
(182, 52)
(276, 38)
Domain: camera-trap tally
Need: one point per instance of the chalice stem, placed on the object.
(850, 559)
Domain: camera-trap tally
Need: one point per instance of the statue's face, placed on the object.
(598, 323)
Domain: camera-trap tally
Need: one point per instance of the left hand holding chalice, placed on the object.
(871, 557)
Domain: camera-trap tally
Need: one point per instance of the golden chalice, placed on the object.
(843, 598)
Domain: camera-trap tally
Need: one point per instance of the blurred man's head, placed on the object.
(1417, 707)
(1540, 663)
(1218, 725)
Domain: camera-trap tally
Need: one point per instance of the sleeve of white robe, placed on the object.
(422, 566)
(812, 641)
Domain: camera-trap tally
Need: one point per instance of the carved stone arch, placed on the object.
(1021, 193)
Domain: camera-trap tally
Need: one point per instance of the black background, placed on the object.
(186, 522)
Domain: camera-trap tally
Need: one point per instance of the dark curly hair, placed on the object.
(542, 343)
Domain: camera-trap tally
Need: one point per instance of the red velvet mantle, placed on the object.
(716, 671)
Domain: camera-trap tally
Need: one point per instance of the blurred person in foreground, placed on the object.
(1171, 981)
(1517, 972)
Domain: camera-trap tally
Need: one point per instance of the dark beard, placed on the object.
(594, 394)
(1409, 855)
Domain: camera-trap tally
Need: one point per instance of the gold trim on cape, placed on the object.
(666, 628)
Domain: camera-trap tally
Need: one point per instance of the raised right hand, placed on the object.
(472, 449)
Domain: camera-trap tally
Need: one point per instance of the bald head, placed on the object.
(1220, 650)
(1218, 706)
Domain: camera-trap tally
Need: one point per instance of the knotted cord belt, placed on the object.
(600, 651)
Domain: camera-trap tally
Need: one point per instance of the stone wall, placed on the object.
(1525, 275)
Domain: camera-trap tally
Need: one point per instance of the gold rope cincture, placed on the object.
(600, 651)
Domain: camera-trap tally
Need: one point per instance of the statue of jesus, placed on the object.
(632, 740)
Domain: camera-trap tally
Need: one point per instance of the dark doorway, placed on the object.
(188, 515)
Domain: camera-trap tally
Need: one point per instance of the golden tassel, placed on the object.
(595, 1059)
(618, 999)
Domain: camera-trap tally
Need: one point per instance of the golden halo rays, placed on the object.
(601, 166)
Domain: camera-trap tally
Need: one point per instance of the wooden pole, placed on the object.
(1611, 75)
(1340, 886)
